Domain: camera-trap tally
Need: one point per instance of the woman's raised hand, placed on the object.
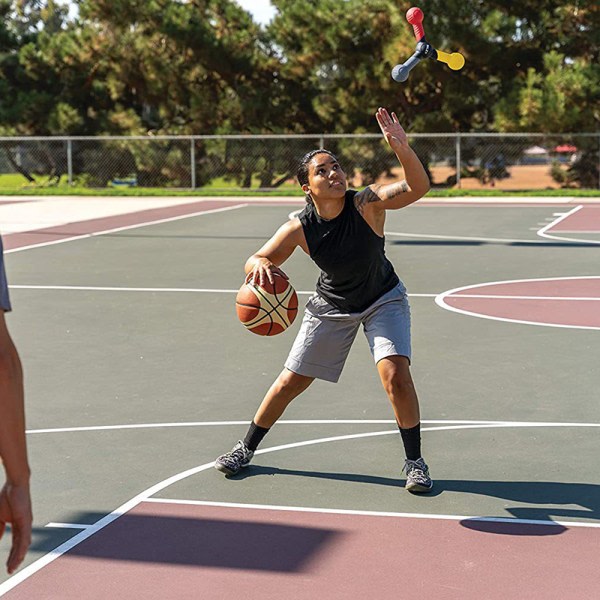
(393, 132)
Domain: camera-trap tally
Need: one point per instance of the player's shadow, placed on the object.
(247, 543)
(522, 243)
(538, 500)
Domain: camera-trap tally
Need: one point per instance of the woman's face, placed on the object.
(325, 177)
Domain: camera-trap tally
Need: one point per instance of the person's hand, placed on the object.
(263, 270)
(15, 508)
(393, 132)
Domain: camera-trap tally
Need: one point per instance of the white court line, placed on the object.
(440, 300)
(508, 202)
(91, 288)
(543, 231)
(461, 423)
(479, 201)
(114, 230)
(372, 513)
(572, 239)
(151, 491)
(554, 222)
(500, 297)
(540, 232)
(466, 238)
(68, 526)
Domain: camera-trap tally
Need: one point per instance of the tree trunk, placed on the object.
(17, 167)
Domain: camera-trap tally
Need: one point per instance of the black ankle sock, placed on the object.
(254, 436)
(411, 438)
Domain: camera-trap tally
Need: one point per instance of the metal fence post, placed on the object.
(193, 163)
(70, 162)
(458, 159)
(521, 156)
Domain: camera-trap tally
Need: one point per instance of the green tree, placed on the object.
(562, 96)
(204, 67)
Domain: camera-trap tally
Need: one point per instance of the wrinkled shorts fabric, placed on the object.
(326, 335)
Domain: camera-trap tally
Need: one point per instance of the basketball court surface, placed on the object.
(138, 374)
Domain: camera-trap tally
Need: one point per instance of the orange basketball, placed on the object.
(268, 309)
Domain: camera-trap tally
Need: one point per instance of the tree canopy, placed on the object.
(197, 67)
(204, 67)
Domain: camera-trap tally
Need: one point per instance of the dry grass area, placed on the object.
(522, 177)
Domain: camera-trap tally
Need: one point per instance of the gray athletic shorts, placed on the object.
(4, 299)
(326, 334)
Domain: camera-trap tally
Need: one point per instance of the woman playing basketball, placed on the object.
(343, 232)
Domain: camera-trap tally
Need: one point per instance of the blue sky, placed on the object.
(262, 11)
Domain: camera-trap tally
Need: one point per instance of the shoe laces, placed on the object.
(417, 470)
(239, 452)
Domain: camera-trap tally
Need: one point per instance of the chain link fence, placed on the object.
(232, 163)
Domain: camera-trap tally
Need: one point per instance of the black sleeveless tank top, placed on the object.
(354, 269)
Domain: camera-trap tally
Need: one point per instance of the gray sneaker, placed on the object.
(417, 476)
(231, 462)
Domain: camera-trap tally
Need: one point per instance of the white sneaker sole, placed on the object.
(417, 488)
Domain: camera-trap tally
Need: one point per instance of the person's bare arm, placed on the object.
(400, 193)
(275, 252)
(15, 500)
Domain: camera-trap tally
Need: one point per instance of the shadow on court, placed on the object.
(200, 542)
(505, 528)
(539, 494)
(522, 244)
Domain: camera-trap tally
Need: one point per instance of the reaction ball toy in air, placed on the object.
(424, 49)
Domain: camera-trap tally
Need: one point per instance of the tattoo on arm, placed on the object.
(368, 195)
(395, 189)
(365, 197)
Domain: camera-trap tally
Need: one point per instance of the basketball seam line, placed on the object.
(283, 319)
(259, 291)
